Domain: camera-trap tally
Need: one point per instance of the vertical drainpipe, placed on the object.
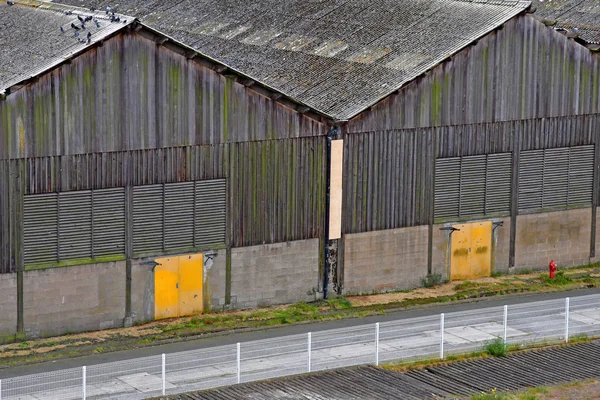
(334, 131)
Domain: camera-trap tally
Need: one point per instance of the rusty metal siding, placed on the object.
(523, 71)
(131, 94)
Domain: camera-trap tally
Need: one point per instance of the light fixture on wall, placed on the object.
(209, 256)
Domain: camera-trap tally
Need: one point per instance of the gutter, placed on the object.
(334, 131)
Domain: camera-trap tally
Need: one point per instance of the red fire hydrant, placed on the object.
(552, 269)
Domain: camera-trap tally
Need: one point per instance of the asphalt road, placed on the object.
(285, 331)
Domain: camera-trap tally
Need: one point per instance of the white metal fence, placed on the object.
(405, 340)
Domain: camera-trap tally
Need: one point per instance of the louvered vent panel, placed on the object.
(447, 182)
(40, 228)
(531, 171)
(472, 186)
(498, 183)
(179, 216)
(556, 178)
(148, 219)
(211, 208)
(581, 175)
(75, 225)
(109, 222)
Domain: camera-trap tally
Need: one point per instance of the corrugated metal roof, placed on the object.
(580, 16)
(337, 56)
(31, 40)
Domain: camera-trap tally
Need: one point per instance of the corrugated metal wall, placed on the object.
(130, 94)
(523, 71)
(388, 174)
(275, 188)
(134, 113)
(387, 179)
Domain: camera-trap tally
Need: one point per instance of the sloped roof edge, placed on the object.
(228, 71)
(521, 6)
(101, 35)
(161, 38)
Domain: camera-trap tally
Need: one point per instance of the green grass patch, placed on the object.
(340, 303)
(432, 280)
(496, 348)
(560, 279)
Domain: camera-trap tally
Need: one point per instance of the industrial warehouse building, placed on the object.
(210, 155)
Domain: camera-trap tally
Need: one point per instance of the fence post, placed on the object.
(567, 320)
(164, 376)
(309, 350)
(377, 343)
(238, 364)
(442, 336)
(84, 383)
(505, 323)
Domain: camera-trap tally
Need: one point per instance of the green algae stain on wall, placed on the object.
(436, 102)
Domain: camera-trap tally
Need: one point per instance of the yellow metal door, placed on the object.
(460, 267)
(166, 292)
(190, 284)
(481, 244)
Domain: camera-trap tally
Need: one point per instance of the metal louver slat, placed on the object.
(148, 218)
(581, 175)
(109, 222)
(556, 178)
(210, 212)
(179, 216)
(498, 183)
(40, 228)
(531, 172)
(447, 182)
(472, 186)
(75, 225)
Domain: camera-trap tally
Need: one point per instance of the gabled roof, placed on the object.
(580, 17)
(31, 40)
(337, 56)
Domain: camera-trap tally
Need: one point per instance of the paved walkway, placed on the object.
(403, 339)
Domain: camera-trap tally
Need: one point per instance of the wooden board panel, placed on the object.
(335, 206)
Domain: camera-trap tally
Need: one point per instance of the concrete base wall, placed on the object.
(562, 236)
(384, 261)
(74, 299)
(8, 307)
(215, 282)
(274, 274)
(142, 290)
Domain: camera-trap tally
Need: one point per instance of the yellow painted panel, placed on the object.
(190, 284)
(481, 252)
(335, 205)
(460, 267)
(166, 293)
